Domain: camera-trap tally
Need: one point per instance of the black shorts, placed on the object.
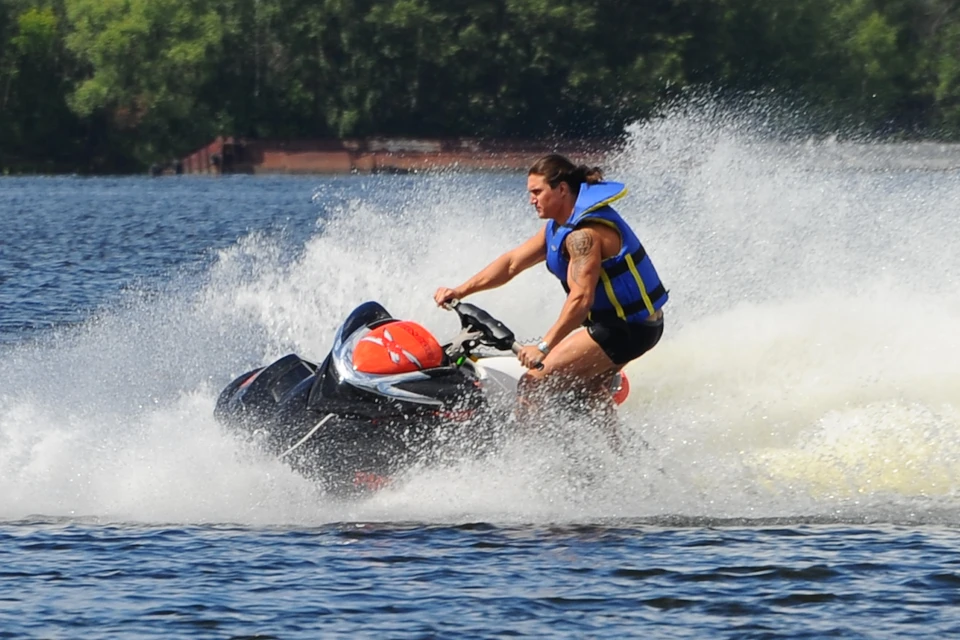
(624, 342)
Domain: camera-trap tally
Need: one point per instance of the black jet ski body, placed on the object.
(353, 429)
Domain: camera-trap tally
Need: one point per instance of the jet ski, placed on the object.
(386, 397)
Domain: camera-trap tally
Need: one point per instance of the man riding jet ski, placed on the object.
(387, 396)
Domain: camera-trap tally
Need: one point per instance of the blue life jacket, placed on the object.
(629, 287)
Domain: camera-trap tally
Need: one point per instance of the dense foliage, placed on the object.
(112, 85)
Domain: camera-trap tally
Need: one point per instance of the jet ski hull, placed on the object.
(353, 430)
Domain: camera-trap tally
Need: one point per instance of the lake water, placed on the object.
(802, 410)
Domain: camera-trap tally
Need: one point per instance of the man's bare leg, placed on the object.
(577, 364)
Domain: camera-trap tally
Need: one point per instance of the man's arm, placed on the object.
(500, 271)
(583, 273)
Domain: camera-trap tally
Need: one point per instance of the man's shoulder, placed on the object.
(584, 237)
(597, 226)
(600, 232)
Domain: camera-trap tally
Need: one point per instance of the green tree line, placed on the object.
(114, 85)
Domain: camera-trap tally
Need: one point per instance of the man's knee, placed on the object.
(534, 385)
(528, 383)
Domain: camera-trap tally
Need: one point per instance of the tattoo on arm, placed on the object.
(580, 247)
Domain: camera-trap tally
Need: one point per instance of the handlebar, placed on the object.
(503, 335)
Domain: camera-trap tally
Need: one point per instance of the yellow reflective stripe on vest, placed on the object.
(608, 287)
(643, 288)
(606, 202)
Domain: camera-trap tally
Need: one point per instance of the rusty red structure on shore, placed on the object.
(227, 155)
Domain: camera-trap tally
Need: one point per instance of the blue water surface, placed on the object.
(69, 245)
(621, 579)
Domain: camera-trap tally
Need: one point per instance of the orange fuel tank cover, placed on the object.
(397, 347)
